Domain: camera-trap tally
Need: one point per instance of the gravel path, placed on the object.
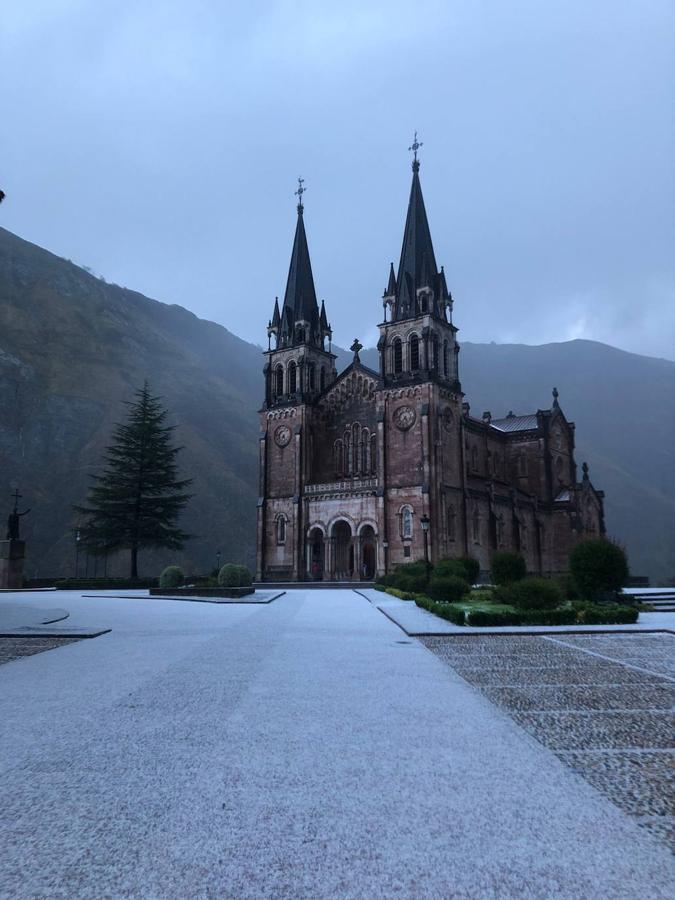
(303, 749)
(602, 702)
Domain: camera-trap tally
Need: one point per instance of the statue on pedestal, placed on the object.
(14, 519)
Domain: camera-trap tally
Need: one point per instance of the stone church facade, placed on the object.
(357, 468)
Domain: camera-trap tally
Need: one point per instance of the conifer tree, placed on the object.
(137, 499)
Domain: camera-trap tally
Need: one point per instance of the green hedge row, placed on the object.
(444, 610)
(592, 615)
(102, 584)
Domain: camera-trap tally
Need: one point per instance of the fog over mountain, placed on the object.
(73, 348)
(159, 143)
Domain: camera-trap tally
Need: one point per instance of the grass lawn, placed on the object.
(483, 605)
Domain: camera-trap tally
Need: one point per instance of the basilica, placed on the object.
(364, 470)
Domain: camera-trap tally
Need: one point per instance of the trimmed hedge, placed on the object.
(103, 584)
(448, 588)
(608, 615)
(479, 617)
(532, 593)
(548, 617)
(409, 577)
(508, 568)
(598, 566)
(171, 577)
(443, 610)
(232, 575)
(461, 567)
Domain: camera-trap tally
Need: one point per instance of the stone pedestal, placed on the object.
(12, 555)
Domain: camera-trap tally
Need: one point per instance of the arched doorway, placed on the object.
(315, 555)
(368, 553)
(343, 551)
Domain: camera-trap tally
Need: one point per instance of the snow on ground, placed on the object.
(304, 748)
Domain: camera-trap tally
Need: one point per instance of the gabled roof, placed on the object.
(515, 423)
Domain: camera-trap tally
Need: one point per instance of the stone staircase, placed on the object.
(662, 599)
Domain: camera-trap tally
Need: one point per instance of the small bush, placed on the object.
(234, 576)
(409, 577)
(462, 567)
(508, 568)
(171, 577)
(480, 618)
(379, 587)
(598, 566)
(532, 593)
(569, 587)
(448, 588)
(245, 577)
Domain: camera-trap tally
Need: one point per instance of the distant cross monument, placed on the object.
(13, 549)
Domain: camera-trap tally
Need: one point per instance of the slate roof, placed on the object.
(300, 298)
(417, 267)
(516, 423)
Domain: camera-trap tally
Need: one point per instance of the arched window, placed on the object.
(434, 352)
(322, 378)
(397, 350)
(281, 529)
(406, 523)
(348, 465)
(414, 353)
(311, 376)
(425, 302)
(474, 459)
(356, 445)
(339, 457)
(475, 526)
(446, 359)
(301, 335)
(365, 452)
(292, 377)
(452, 524)
(373, 454)
(279, 380)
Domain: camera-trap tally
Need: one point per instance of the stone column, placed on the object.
(12, 556)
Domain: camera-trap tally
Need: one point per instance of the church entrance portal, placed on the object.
(368, 554)
(343, 552)
(316, 555)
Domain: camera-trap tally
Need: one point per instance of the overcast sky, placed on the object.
(159, 143)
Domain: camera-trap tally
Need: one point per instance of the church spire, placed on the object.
(300, 311)
(417, 268)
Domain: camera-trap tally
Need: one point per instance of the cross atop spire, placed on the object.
(414, 147)
(300, 191)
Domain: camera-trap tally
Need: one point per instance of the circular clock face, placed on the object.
(404, 417)
(282, 435)
(448, 418)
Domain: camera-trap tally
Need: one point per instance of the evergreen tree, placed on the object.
(137, 499)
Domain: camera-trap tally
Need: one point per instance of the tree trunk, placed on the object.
(134, 562)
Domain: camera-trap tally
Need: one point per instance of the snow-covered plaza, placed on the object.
(304, 748)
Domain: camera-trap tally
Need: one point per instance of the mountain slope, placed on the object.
(72, 348)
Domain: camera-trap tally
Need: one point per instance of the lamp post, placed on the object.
(77, 552)
(385, 548)
(425, 522)
(217, 561)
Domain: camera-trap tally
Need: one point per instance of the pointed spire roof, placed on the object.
(300, 303)
(417, 267)
(276, 318)
(390, 290)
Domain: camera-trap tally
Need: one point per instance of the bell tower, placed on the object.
(299, 367)
(417, 338)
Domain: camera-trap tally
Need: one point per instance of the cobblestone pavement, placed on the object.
(602, 703)
(16, 648)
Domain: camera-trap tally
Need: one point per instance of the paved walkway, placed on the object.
(304, 748)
